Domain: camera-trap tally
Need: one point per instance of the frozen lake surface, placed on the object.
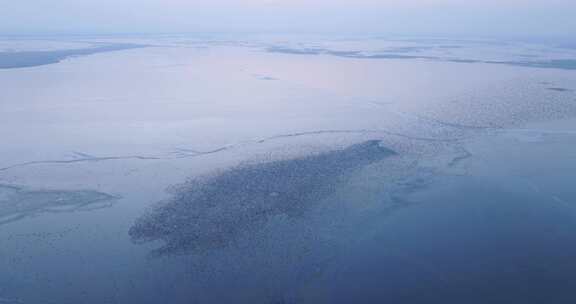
(287, 169)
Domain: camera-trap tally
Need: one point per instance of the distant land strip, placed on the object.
(25, 59)
(563, 64)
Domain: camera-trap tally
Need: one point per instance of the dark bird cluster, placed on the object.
(212, 212)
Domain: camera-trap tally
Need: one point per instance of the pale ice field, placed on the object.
(286, 169)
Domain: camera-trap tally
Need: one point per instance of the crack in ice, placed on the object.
(189, 153)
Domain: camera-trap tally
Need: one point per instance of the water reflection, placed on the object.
(213, 211)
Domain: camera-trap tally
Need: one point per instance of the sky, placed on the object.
(526, 18)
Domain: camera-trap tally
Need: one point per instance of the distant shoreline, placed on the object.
(25, 59)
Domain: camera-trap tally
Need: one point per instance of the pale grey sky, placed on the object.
(451, 17)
